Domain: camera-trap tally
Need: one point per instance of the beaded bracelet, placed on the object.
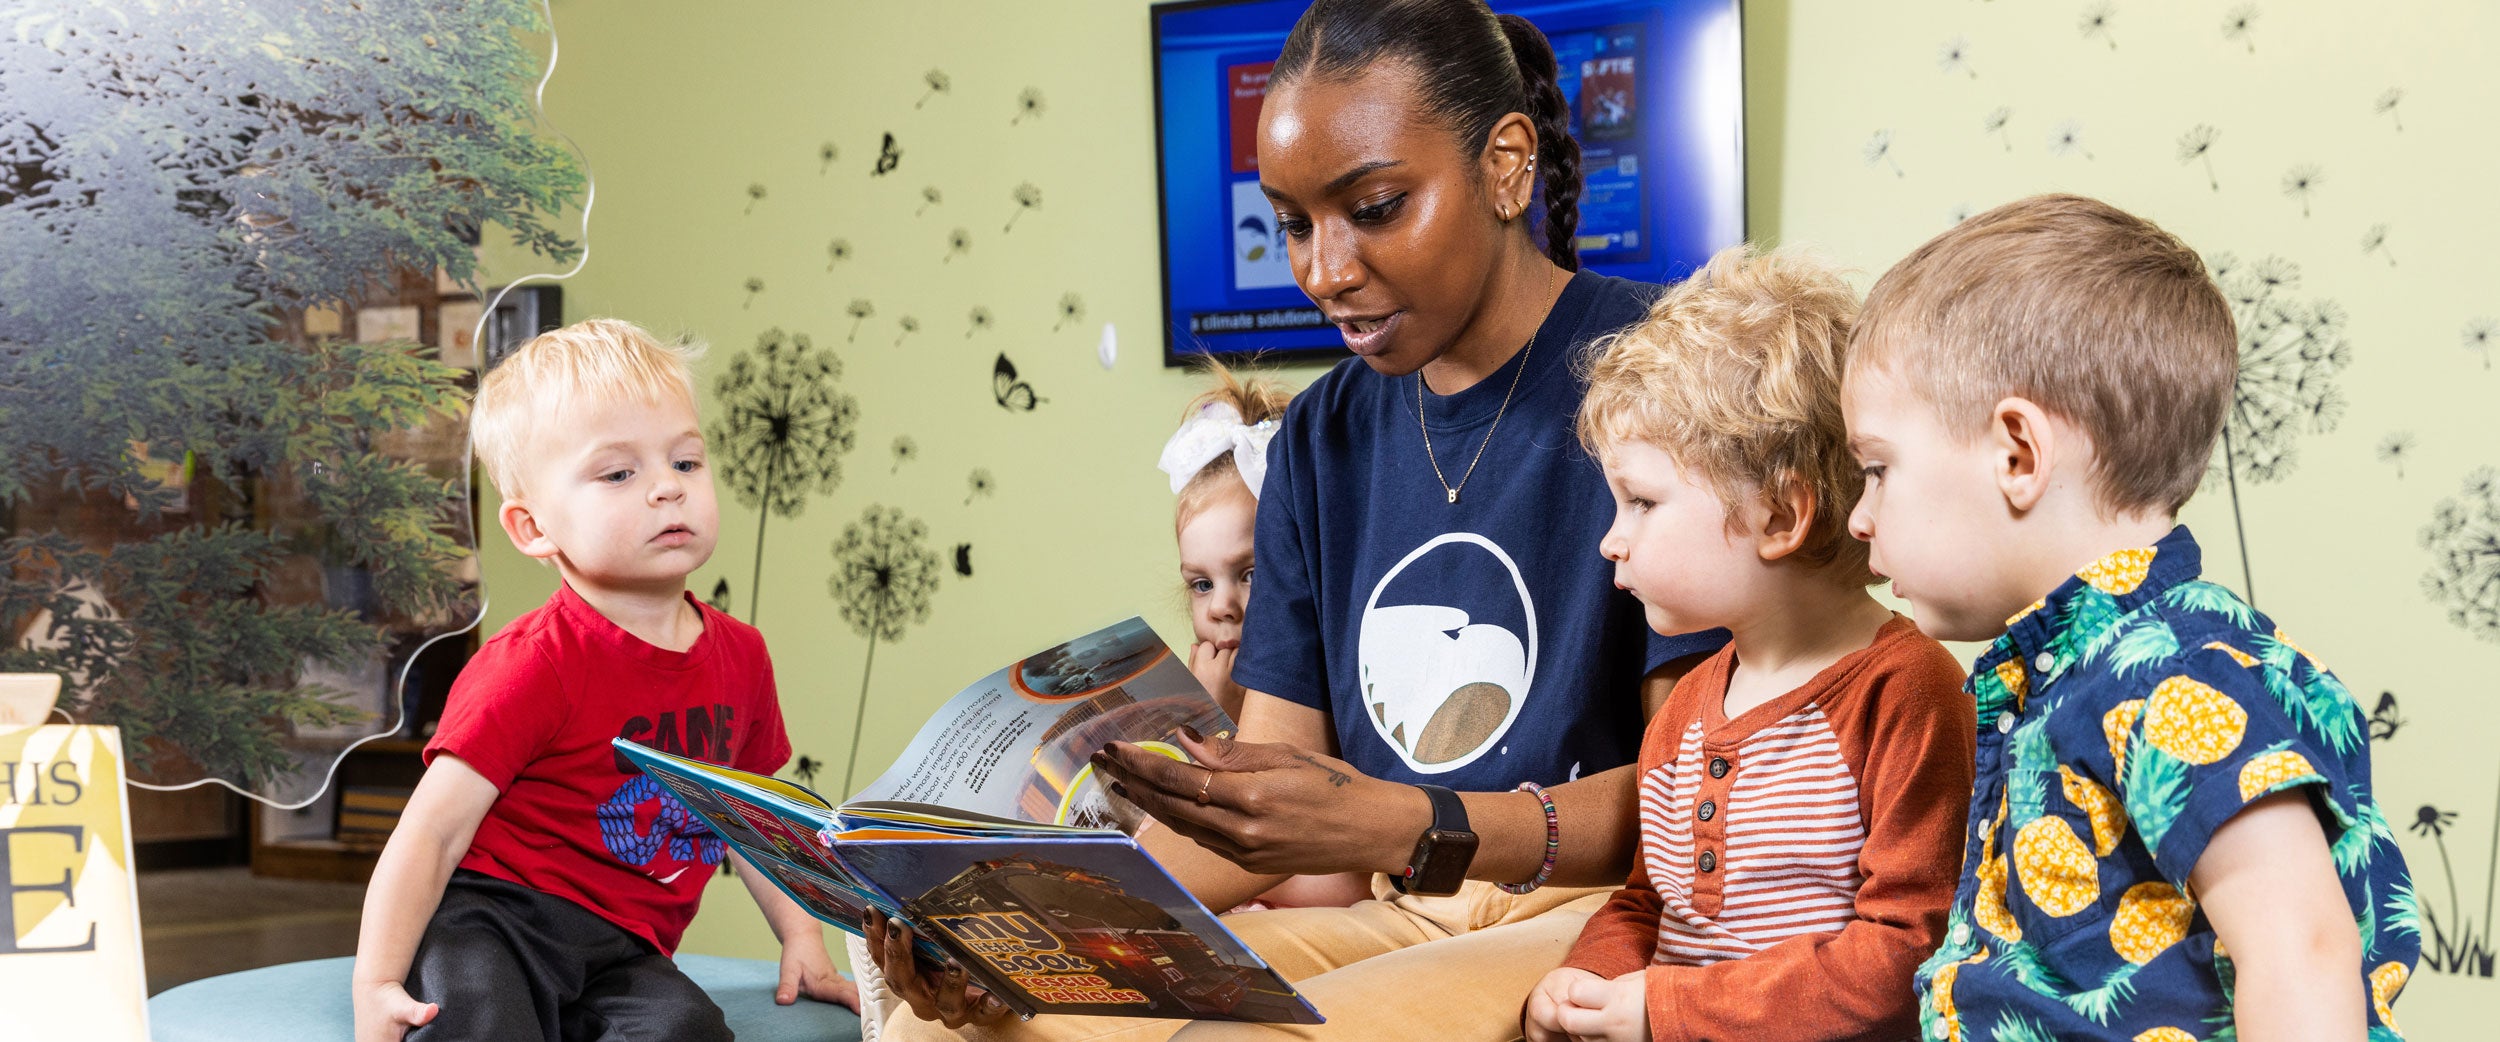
(1553, 842)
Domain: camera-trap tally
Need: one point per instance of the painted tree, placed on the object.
(176, 178)
(785, 424)
(883, 576)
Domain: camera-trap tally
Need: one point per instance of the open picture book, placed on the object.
(992, 838)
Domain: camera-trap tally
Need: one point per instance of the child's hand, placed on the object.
(1543, 1016)
(807, 970)
(943, 997)
(385, 1012)
(1213, 666)
(1592, 1007)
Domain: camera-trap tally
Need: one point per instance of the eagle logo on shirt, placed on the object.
(1442, 685)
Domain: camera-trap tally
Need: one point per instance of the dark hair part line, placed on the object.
(1471, 68)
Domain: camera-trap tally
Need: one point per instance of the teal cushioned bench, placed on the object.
(308, 1001)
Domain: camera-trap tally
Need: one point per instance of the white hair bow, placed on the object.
(1206, 437)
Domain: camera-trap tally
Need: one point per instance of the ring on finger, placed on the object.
(1206, 785)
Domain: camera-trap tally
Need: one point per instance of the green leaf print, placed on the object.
(2156, 791)
(2207, 597)
(2088, 614)
(2099, 1004)
(2338, 717)
(2027, 785)
(2357, 844)
(2022, 959)
(2140, 642)
(2404, 914)
(2015, 1028)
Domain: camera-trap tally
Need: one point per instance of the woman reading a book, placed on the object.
(1444, 685)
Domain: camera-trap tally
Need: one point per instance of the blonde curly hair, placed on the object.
(1735, 374)
(1258, 399)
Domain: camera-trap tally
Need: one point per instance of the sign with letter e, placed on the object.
(69, 905)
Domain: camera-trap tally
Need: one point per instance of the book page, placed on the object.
(1016, 744)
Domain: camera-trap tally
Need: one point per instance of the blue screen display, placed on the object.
(1657, 103)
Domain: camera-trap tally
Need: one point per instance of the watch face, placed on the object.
(1443, 863)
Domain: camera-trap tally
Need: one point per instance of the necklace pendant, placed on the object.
(1453, 495)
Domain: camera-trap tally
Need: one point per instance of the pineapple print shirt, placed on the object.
(2122, 720)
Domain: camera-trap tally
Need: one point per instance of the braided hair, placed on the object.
(1471, 67)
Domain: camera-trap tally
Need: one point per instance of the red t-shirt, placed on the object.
(534, 711)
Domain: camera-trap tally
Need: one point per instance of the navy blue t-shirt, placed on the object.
(1473, 645)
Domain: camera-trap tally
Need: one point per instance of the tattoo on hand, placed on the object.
(1336, 778)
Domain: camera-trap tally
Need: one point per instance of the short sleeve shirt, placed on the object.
(1473, 644)
(534, 712)
(2123, 719)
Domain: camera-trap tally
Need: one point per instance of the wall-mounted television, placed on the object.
(1656, 89)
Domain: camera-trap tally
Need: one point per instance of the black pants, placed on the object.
(510, 964)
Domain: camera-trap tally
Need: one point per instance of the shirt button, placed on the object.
(1718, 767)
(2005, 723)
(1709, 861)
(1961, 934)
(2043, 662)
(1709, 809)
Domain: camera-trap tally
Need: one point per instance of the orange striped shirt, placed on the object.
(1795, 862)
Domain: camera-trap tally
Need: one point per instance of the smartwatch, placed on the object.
(1443, 854)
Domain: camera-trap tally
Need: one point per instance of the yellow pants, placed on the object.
(1431, 969)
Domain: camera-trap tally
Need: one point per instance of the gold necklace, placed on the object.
(1524, 351)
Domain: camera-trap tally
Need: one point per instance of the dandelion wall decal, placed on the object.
(2300, 181)
(1029, 103)
(2395, 449)
(1028, 198)
(958, 244)
(836, 252)
(2067, 140)
(861, 309)
(1955, 56)
(1071, 309)
(976, 320)
(825, 154)
(754, 286)
(2094, 23)
(2478, 337)
(980, 485)
(2291, 354)
(2241, 26)
(2386, 106)
(755, 194)
(883, 576)
(1878, 149)
(938, 83)
(2197, 145)
(1959, 213)
(929, 196)
(905, 451)
(1998, 117)
(2463, 538)
(908, 325)
(806, 769)
(784, 427)
(719, 600)
(2375, 241)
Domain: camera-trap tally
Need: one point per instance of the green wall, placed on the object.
(680, 108)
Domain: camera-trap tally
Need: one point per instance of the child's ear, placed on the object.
(1790, 518)
(2026, 452)
(522, 527)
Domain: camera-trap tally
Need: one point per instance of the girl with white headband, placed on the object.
(1216, 461)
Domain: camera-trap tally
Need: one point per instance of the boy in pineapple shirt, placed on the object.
(2172, 834)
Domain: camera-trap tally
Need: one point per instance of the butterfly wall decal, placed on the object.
(1012, 393)
(720, 595)
(2383, 719)
(963, 560)
(888, 157)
